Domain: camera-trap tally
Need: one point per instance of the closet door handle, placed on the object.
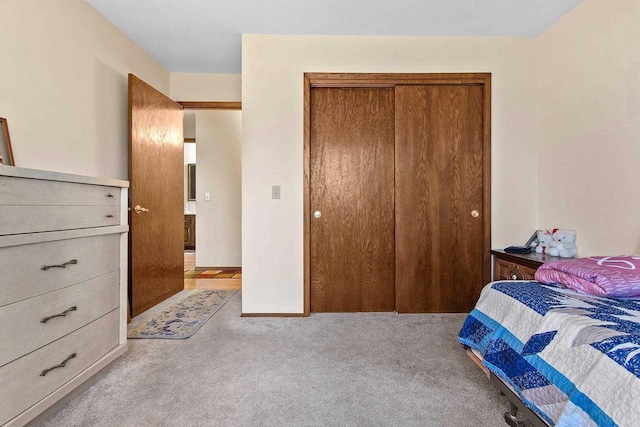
(63, 265)
(63, 314)
(61, 365)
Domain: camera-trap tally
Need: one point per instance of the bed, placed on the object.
(573, 359)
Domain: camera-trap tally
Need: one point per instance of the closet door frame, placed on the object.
(338, 80)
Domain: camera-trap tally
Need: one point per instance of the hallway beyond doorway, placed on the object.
(234, 282)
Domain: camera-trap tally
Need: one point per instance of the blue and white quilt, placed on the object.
(574, 359)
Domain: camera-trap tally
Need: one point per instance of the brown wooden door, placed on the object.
(351, 178)
(156, 162)
(440, 262)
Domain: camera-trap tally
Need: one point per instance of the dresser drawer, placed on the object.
(22, 383)
(23, 267)
(35, 192)
(32, 219)
(81, 304)
(505, 270)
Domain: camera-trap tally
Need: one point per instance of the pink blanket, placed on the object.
(610, 276)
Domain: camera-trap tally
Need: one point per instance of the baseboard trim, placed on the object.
(273, 315)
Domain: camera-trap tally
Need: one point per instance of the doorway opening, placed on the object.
(212, 195)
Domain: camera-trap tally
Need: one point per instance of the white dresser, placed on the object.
(63, 285)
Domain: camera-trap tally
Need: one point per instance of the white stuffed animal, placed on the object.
(544, 238)
(563, 244)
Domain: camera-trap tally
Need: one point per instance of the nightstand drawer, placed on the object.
(508, 266)
(504, 270)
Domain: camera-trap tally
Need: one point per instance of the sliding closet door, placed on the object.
(439, 198)
(351, 183)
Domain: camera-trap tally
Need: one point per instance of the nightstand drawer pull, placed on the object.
(61, 365)
(64, 265)
(109, 195)
(63, 314)
(515, 274)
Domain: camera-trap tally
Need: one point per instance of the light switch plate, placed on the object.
(275, 191)
(207, 196)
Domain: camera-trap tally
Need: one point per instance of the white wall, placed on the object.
(189, 131)
(190, 206)
(219, 154)
(64, 86)
(218, 226)
(589, 105)
(206, 87)
(272, 102)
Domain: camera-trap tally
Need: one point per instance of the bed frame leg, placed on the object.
(512, 418)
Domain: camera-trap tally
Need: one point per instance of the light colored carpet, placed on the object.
(327, 370)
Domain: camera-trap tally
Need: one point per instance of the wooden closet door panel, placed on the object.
(351, 173)
(439, 183)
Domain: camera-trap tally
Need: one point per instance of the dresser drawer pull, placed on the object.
(73, 261)
(109, 195)
(46, 371)
(109, 216)
(63, 314)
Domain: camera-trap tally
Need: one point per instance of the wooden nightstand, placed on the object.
(517, 266)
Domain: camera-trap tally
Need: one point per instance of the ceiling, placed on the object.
(205, 36)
